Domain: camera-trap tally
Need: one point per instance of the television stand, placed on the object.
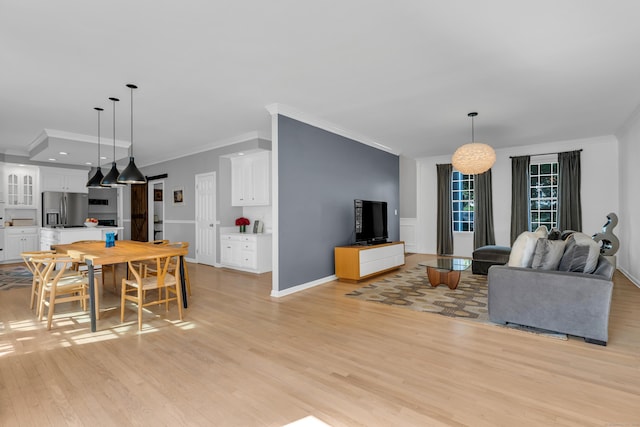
(357, 262)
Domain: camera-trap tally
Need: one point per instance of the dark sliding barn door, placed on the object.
(139, 228)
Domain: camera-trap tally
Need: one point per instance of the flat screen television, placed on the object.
(370, 221)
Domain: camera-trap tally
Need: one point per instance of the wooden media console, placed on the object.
(355, 263)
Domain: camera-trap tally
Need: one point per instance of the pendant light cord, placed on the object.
(98, 138)
(472, 115)
(473, 138)
(114, 127)
(132, 87)
(131, 148)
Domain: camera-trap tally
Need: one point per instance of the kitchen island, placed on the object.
(57, 236)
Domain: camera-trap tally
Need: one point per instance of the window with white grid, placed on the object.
(462, 201)
(544, 194)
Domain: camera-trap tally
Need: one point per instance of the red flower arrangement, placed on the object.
(242, 222)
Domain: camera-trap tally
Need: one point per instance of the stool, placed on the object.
(486, 256)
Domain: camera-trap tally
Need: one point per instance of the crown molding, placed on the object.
(285, 110)
(249, 136)
(70, 136)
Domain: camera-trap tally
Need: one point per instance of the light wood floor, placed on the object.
(241, 358)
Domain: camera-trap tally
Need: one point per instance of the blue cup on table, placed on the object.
(110, 239)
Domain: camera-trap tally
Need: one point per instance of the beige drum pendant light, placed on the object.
(473, 158)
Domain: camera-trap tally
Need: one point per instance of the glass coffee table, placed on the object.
(445, 271)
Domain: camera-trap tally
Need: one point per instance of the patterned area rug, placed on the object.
(14, 276)
(411, 289)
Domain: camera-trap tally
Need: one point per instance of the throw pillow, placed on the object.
(523, 249)
(580, 255)
(548, 254)
(541, 231)
(554, 234)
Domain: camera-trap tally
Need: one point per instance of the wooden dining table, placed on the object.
(96, 254)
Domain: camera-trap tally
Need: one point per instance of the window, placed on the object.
(544, 194)
(462, 200)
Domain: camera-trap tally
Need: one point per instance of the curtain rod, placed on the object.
(544, 154)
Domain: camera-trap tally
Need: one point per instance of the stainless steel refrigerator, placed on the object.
(64, 209)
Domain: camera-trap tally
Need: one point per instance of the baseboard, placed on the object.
(302, 287)
(628, 275)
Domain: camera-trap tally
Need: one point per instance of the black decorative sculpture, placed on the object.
(609, 243)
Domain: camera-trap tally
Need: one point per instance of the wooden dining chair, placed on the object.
(150, 270)
(29, 260)
(134, 289)
(80, 266)
(59, 287)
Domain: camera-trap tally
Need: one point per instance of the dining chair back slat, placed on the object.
(135, 288)
(60, 283)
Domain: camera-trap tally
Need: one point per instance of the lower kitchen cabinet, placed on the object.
(246, 252)
(20, 239)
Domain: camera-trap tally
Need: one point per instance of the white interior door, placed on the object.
(206, 218)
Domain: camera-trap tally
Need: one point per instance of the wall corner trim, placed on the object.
(285, 110)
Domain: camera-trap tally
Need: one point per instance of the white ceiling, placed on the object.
(401, 73)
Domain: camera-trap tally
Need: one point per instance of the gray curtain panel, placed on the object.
(445, 216)
(483, 233)
(569, 200)
(519, 195)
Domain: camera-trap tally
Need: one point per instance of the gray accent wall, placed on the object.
(320, 174)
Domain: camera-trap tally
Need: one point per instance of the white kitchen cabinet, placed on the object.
(251, 179)
(21, 186)
(57, 236)
(18, 240)
(68, 180)
(246, 252)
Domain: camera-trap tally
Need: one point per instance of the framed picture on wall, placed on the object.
(157, 195)
(178, 196)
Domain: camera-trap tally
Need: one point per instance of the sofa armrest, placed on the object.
(569, 302)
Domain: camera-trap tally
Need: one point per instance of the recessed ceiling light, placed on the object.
(240, 154)
(103, 158)
(88, 163)
(63, 153)
(53, 160)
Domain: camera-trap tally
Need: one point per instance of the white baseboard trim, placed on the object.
(634, 280)
(302, 287)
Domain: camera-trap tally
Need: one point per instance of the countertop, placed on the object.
(99, 227)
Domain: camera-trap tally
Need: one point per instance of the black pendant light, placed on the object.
(111, 179)
(131, 174)
(97, 178)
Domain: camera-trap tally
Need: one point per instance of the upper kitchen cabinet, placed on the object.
(251, 179)
(67, 180)
(21, 186)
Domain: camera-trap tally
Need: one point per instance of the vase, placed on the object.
(243, 228)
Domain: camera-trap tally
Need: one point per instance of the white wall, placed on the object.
(600, 193)
(629, 231)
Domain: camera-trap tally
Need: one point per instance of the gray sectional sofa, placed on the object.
(563, 301)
